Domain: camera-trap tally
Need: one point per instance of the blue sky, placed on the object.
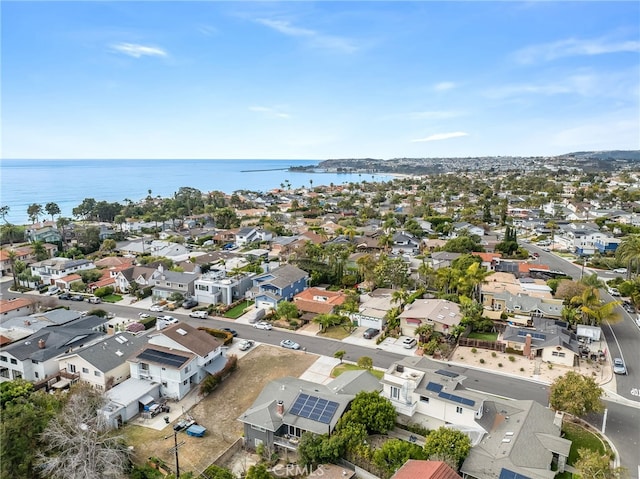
(316, 80)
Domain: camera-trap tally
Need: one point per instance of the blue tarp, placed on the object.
(196, 430)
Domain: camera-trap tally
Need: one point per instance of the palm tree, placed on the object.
(400, 297)
(13, 257)
(629, 253)
(470, 283)
(424, 332)
(4, 211)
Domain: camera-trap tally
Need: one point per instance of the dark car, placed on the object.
(189, 303)
(64, 296)
(233, 332)
(370, 333)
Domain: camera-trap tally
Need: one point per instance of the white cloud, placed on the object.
(316, 38)
(270, 112)
(444, 86)
(434, 115)
(574, 47)
(136, 51)
(441, 136)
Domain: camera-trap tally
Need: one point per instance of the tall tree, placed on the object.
(52, 209)
(39, 251)
(576, 394)
(628, 252)
(373, 411)
(4, 211)
(13, 258)
(448, 445)
(34, 211)
(78, 443)
(593, 464)
(62, 223)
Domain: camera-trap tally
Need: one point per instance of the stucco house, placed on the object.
(165, 283)
(507, 436)
(287, 407)
(372, 310)
(316, 301)
(15, 307)
(218, 286)
(443, 315)
(548, 339)
(281, 284)
(104, 364)
(178, 358)
(53, 269)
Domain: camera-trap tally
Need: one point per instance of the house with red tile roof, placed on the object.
(11, 308)
(416, 469)
(65, 281)
(318, 301)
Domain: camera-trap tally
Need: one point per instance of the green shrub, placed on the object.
(225, 336)
(499, 365)
(494, 354)
(149, 322)
(212, 380)
(102, 292)
(522, 370)
(512, 359)
(550, 366)
(481, 361)
(474, 350)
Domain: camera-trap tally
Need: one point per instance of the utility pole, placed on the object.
(175, 450)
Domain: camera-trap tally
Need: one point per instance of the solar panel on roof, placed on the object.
(458, 399)
(507, 474)
(435, 387)
(449, 374)
(162, 357)
(314, 408)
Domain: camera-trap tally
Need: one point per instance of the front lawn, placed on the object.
(335, 332)
(483, 336)
(581, 438)
(112, 298)
(237, 311)
(340, 368)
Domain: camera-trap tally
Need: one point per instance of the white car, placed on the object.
(198, 314)
(287, 343)
(157, 308)
(620, 270)
(263, 325)
(613, 291)
(246, 344)
(408, 343)
(144, 315)
(52, 291)
(168, 319)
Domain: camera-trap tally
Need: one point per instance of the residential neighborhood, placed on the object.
(528, 269)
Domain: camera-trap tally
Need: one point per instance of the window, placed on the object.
(187, 369)
(97, 373)
(144, 366)
(258, 428)
(85, 370)
(558, 354)
(33, 361)
(3, 358)
(17, 374)
(72, 368)
(458, 409)
(37, 375)
(14, 361)
(164, 384)
(395, 392)
(4, 373)
(424, 399)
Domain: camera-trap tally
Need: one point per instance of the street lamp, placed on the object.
(175, 449)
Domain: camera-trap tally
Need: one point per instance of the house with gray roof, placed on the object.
(550, 340)
(165, 283)
(53, 269)
(178, 358)
(443, 259)
(509, 438)
(280, 284)
(288, 407)
(104, 364)
(36, 357)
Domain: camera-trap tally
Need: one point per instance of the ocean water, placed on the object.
(68, 182)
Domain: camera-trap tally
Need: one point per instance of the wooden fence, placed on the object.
(482, 344)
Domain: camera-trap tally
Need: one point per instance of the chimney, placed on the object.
(280, 408)
(41, 343)
(527, 346)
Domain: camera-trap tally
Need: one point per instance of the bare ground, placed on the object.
(219, 411)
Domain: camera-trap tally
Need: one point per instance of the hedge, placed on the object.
(226, 336)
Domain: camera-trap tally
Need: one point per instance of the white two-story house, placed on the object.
(178, 358)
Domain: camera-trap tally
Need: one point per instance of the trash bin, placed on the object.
(166, 419)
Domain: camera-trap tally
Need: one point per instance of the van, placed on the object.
(370, 333)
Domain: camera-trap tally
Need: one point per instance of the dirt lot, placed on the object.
(219, 411)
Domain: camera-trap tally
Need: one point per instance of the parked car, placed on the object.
(233, 332)
(619, 366)
(246, 344)
(52, 291)
(287, 343)
(77, 297)
(158, 308)
(620, 270)
(94, 300)
(144, 315)
(262, 325)
(198, 314)
(189, 303)
(64, 296)
(370, 333)
(408, 343)
(613, 291)
(169, 319)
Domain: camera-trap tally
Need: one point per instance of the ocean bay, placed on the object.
(68, 182)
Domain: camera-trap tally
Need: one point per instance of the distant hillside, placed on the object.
(632, 155)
